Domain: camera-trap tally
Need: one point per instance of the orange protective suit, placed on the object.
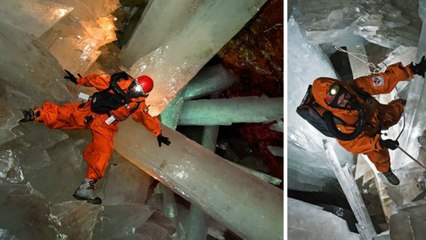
(378, 116)
(72, 116)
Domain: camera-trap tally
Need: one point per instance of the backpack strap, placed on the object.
(113, 84)
(135, 108)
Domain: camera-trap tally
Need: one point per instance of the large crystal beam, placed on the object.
(350, 188)
(408, 223)
(76, 38)
(197, 228)
(416, 107)
(358, 60)
(32, 16)
(262, 176)
(228, 111)
(151, 32)
(307, 221)
(209, 80)
(244, 204)
(169, 206)
(170, 115)
(307, 62)
(179, 59)
(26, 65)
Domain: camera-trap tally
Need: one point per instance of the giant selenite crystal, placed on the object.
(154, 33)
(28, 67)
(178, 59)
(304, 142)
(40, 167)
(76, 38)
(307, 221)
(213, 79)
(416, 94)
(347, 182)
(209, 80)
(350, 22)
(32, 16)
(228, 111)
(409, 222)
(249, 207)
(51, 160)
(27, 70)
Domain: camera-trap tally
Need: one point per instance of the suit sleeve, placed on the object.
(151, 123)
(98, 81)
(385, 82)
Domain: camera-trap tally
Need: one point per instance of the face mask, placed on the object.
(136, 90)
(338, 96)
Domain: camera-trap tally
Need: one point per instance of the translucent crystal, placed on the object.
(33, 16)
(349, 186)
(228, 111)
(302, 225)
(176, 61)
(187, 175)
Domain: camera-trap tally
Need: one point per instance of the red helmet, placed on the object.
(146, 83)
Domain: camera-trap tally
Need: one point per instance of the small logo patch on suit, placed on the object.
(378, 81)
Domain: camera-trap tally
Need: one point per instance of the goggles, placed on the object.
(137, 90)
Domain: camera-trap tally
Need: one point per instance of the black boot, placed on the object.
(28, 115)
(86, 191)
(391, 177)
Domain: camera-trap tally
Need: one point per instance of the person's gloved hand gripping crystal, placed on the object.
(71, 76)
(163, 139)
(388, 143)
(419, 68)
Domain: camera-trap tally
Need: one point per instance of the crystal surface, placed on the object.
(349, 186)
(393, 29)
(33, 16)
(307, 221)
(41, 167)
(154, 33)
(228, 111)
(176, 61)
(306, 159)
(187, 177)
(75, 40)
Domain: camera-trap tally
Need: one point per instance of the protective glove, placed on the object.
(389, 143)
(71, 77)
(163, 139)
(419, 68)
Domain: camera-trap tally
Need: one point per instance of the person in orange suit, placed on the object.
(356, 119)
(119, 96)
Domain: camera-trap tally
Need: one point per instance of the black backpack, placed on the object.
(104, 101)
(310, 111)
